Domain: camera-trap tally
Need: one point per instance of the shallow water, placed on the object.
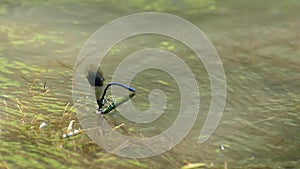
(258, 43)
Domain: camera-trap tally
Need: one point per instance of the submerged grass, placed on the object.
(24, 144)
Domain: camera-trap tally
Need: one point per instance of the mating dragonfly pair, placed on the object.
(105, 103)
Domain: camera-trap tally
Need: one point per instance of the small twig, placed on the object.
(19, 105)
(5, 104)
(121, 146)
(45, 89)
(45, 83)
(5, 164)
(37, 76)
(66, 107)
(267, 119)
(225, 165)
(24, 107)
(26, 79)
(63, 64)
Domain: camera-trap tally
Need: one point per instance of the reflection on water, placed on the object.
(258, 43)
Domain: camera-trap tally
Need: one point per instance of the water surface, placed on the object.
(258, 43)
